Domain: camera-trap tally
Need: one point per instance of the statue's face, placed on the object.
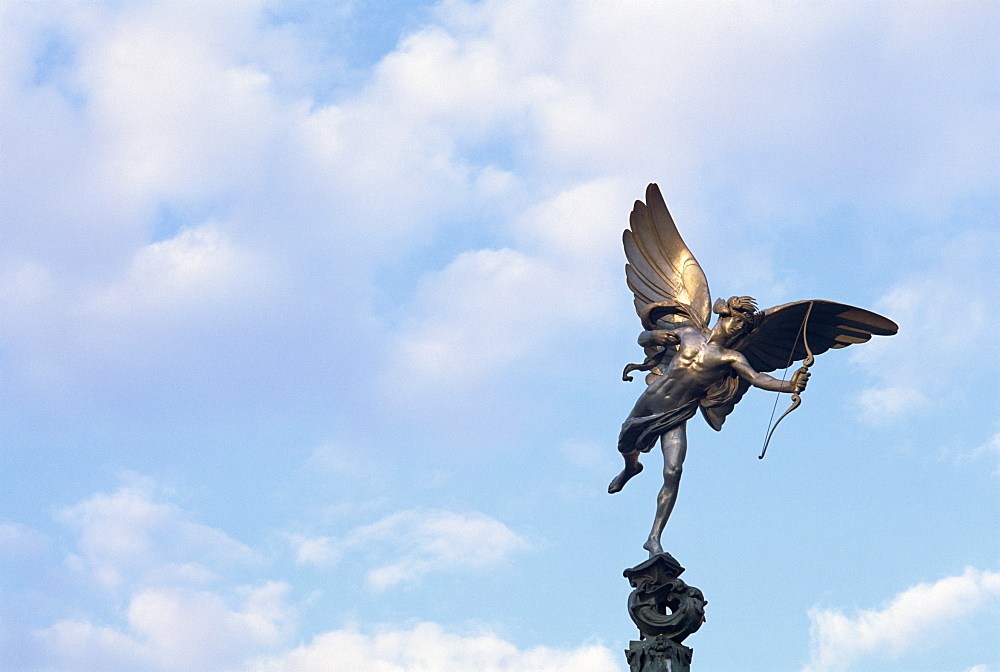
(732, 326)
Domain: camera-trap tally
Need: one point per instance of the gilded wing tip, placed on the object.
(653, 193)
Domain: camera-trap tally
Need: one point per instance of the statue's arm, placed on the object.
(659, 337)
(764, 381)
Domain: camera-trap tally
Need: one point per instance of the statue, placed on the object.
(692, 367)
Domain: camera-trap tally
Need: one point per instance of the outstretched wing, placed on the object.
(776, 341)
(664, 276)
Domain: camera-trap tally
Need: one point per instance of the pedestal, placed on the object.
(666, 610)
(658, 654)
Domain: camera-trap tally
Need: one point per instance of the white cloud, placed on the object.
(80, 645)
(181, 108)
(170, 620)
(197, 633)
(638, 88)
(197, 269)
(428, 647)
(25, 286)
(152, 590)
(420, 541)
(886, 405)
(75, 341)
(17, 540)
(126, 539)
(487, 307)
(499, 107)
(490, 308)
(174, 629)
(320, 551)
(579, 227)
(430, 541)
(839, 641)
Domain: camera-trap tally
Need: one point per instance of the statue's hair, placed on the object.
(744, 307)
(741, 305)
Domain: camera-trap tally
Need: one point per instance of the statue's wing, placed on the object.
(664, 276)
(776, 341)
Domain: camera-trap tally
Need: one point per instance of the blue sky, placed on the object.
(312, 319)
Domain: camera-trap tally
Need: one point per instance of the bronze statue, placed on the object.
(691, 366)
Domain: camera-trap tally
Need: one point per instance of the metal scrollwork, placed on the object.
(661, 604)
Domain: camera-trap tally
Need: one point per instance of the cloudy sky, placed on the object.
(312, 319)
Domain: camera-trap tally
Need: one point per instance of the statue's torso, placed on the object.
(697, 365)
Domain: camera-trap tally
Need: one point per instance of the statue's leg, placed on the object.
(674, 446)
(632, 467)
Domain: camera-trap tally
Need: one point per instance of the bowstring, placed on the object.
(791, 358)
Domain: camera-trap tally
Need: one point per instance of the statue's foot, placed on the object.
(621, 479)
(653, 546)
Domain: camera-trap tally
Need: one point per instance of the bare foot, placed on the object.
(619, 481)
(653, 546)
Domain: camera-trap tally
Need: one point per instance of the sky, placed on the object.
(313, 317)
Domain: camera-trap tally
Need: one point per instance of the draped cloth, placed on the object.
(641, 432)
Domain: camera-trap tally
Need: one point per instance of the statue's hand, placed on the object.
(664, 338)
(799, 380)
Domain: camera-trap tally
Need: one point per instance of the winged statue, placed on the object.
(691, 367)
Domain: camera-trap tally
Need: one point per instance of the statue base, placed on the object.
(659, 654)
(666, 610)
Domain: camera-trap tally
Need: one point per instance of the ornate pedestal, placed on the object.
(666, 610)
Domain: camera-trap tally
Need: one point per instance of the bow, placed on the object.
(806, 363)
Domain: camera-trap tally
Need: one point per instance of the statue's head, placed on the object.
(737, 315)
